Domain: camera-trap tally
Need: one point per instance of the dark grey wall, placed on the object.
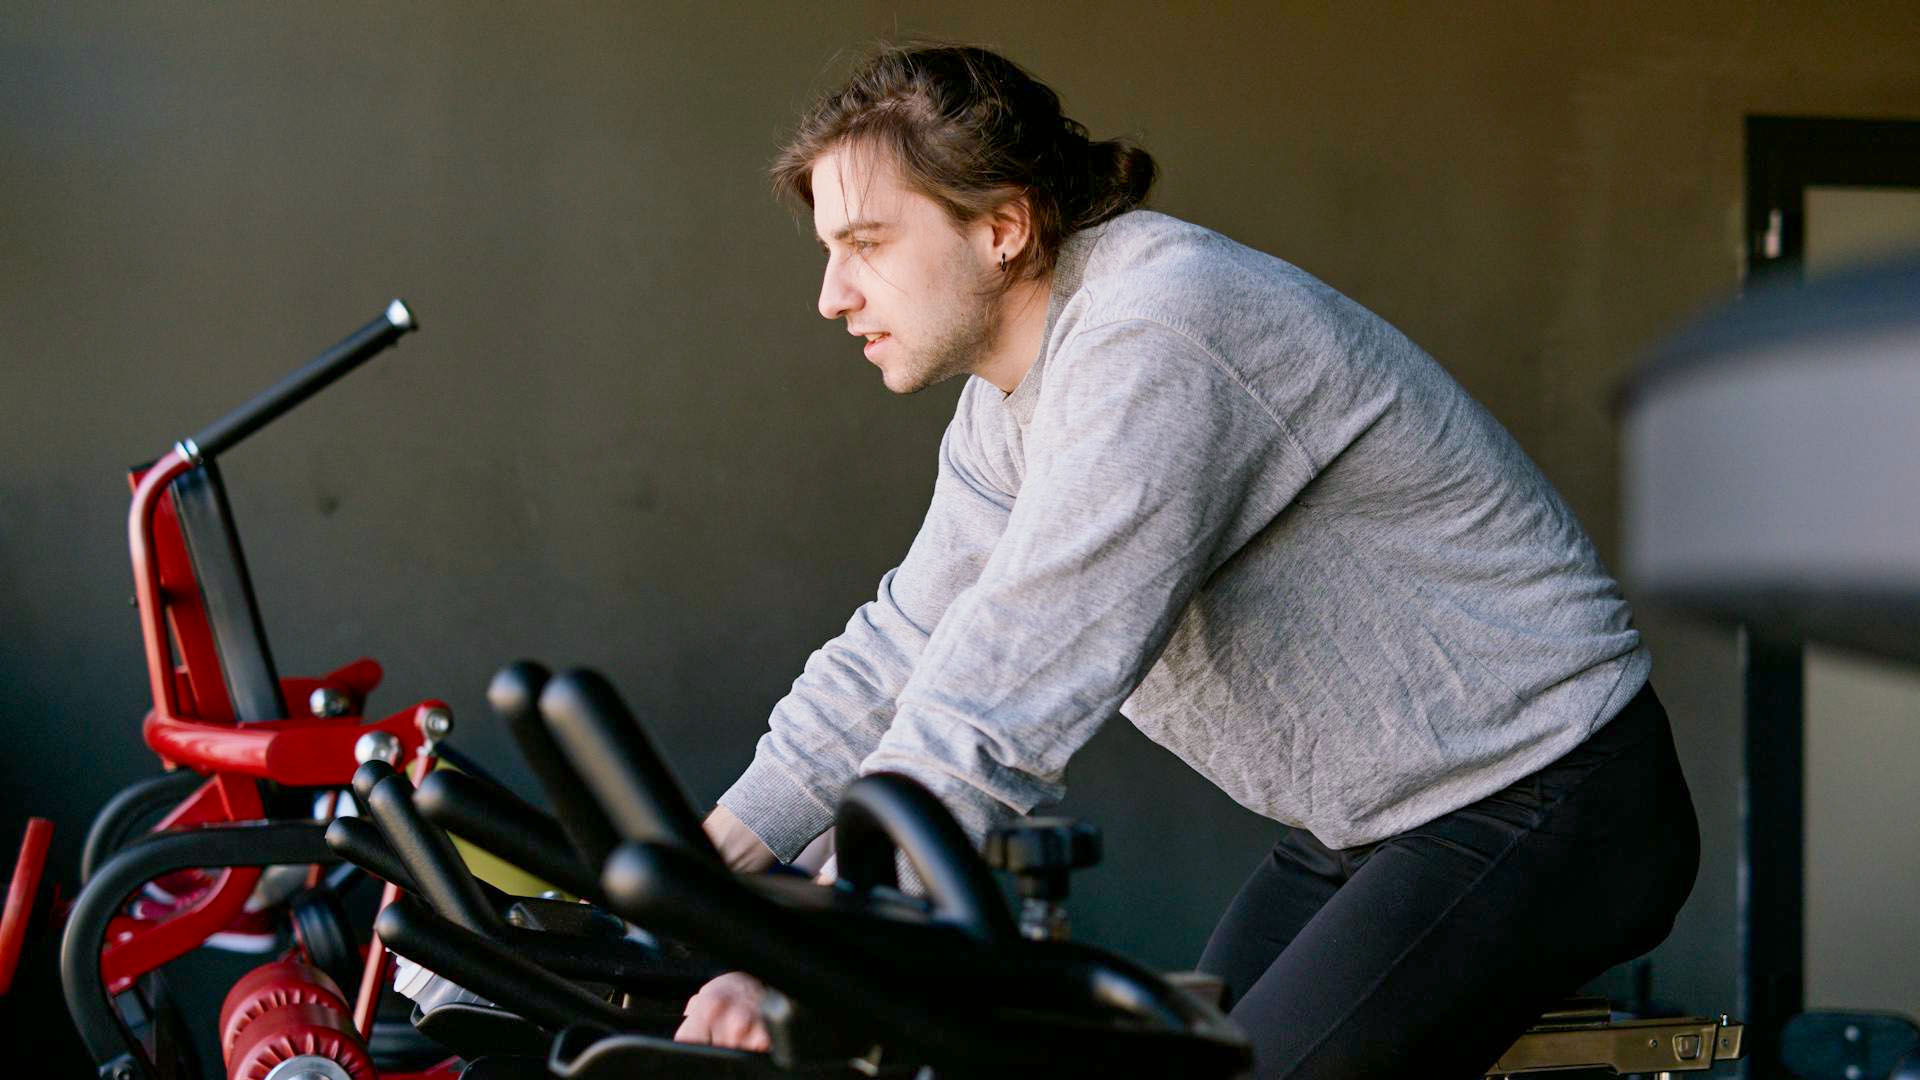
(624, 439)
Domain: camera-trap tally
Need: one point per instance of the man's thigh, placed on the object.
(1292, 883)
(1424, 964)
(1450, 939)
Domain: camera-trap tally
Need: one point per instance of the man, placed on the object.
(1188, 482)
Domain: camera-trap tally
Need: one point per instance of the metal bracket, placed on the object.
(1675, 1044)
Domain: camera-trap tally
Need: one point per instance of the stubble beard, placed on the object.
(959, 338)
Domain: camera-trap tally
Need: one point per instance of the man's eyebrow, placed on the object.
(851, 227)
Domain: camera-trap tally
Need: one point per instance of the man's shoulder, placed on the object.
(1142, 244)
(1150, 266)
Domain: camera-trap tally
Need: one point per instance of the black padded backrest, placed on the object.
(233, 615)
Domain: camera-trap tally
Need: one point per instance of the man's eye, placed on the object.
(862, 245)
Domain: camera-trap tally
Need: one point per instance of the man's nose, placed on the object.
(838, 297)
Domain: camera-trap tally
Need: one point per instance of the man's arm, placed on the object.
(1148, 465)
(843, 702)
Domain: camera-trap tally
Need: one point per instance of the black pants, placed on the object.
(1428, 953)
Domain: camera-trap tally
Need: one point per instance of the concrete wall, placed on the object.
(623, 437)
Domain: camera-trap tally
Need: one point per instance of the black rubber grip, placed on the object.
(514, 695)
(610, 752)
(887, 811)
(362, 845)
(366, 776)
(438, 871)
(319, 373)
(499, 821)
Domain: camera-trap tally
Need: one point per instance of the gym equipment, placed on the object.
(243, 770)
(26, 900)
(1769, 455)
(289, 1019)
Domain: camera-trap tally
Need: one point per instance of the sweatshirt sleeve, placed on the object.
(843, 701)
(1148, 465)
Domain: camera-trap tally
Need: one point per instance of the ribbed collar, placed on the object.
(1068, 267)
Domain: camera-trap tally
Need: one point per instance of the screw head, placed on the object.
(377, 746)
(327, 701)
(436, 723)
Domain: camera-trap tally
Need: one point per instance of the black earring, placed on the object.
(1003, 260)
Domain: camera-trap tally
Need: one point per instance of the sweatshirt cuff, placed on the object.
(777, 808)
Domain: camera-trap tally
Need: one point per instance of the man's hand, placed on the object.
(726, 1013)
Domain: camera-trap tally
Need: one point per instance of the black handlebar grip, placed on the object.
(885, 811)
(362, 845)
(611, 753)
(514, 695)
(437, 869)
(497, 820)
(319, 373)
(366, 776)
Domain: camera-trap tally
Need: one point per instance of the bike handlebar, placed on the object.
(318, 373)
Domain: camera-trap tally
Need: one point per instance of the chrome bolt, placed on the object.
(326, 701)
(436, 723)
(377, 746)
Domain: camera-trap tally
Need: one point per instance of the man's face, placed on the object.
(900, 273)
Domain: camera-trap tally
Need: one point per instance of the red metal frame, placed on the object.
(192, 721)
(373, 976)
(192, 725)
(20, 893)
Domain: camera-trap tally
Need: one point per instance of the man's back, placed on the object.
(1404, 616)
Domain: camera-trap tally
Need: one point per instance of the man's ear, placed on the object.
(1012, 225)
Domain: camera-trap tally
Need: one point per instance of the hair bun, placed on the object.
(1119, 175)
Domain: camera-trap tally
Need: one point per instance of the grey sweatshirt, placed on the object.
(1247, 513)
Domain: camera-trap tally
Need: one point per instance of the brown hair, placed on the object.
(970, 129)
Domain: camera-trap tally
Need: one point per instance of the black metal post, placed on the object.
(1772, 891)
